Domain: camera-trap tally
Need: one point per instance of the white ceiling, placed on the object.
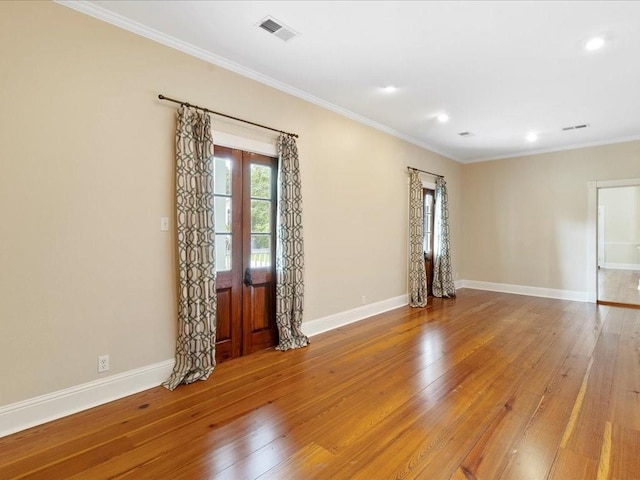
(499, 69)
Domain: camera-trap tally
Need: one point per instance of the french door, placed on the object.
(429, 201)
(245, 215)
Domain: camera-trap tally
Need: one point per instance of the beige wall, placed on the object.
(87, 154)
(525, 219)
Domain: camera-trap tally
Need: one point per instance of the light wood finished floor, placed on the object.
(619, 286)
(486, 386)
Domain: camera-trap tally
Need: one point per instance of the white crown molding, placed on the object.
(526, 290)
(574, 146)
(159, 37)
(324, 324)
(38, 410)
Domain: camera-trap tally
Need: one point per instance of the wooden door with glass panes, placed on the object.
(245, 207)
(429, 200)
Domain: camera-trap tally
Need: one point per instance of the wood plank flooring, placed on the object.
(484, 386)
(618, 286)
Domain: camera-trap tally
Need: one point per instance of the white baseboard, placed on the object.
(324, 324)
(38, 410)
(622, 266)
(45, 408)
(525, 290)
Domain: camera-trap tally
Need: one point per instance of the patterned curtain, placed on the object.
(195, 349)
(417, 273)
(443, 285)
(289, 248)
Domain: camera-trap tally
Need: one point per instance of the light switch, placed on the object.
(164, 224)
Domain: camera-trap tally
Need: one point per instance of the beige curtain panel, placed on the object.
(195, 348)
(289, 248)
(417, 273)
(443, 285)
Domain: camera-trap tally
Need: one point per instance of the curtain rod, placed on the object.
(187, 104)
(424, 171)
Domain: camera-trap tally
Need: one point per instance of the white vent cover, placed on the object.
(575, 127)
(277, 28)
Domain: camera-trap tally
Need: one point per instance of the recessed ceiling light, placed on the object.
(532, 137)
(443, 117)
(390, 88)
(595, 43)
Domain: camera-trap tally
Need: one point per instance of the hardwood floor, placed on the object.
(619, 286)
(485, 386)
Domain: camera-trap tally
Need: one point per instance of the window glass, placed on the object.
(222, 176)
(223, 252)
(260, 181)
(260, 251)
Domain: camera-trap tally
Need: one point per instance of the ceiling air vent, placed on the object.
(466, 134)
(575, 127)
(277, 28)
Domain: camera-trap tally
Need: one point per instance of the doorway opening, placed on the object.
(608, 250)
(245, 217)
(618, 245)
(428, 195)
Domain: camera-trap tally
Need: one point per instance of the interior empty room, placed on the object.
(329, 240)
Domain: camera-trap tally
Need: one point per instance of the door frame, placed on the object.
(592, 230)
(235, 142)
(429, 185)
(241, 143)
(428, 261)
(252, 339)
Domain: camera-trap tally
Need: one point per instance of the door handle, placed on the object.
(247, 277)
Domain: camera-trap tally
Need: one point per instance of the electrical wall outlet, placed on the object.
(364, 299)
(103, 363)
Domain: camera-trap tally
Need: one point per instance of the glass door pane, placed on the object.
(261, 215)
(222, 204)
